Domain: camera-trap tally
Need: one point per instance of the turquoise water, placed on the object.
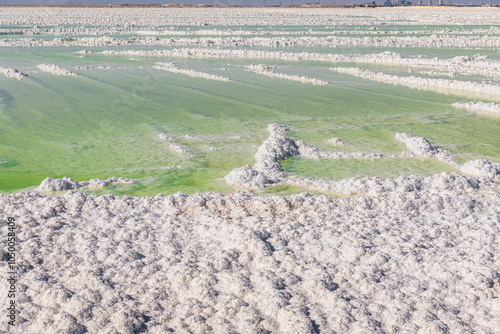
(105, 122)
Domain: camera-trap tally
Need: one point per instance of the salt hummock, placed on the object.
(56, 70)
(67, 183)
(336, 141)
(13, 73)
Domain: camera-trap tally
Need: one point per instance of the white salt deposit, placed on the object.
(12, 73)
(67, 183)
(465, 65)
(336, 141)
(421, 147)
(178, 148)
(442, 85)
(482, 168)
(418, 259)
(266, 70)
(406, 255)
(278, 147)
(172, 67)
(480, 106)
(164, 136)
(56, 70)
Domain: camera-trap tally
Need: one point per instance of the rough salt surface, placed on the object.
(419, 260)
(482, 168)
(67, 183)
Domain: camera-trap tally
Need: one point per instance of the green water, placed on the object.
(105, 122)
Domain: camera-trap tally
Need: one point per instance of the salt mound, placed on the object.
(247, 177)
(421, 147)
(178, 148)
(481, 168)
(67, 183)
(13, 73)
(56, 70)
(336, 141)
(164, 136)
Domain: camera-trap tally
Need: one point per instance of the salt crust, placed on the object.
(172, 67)
(56, 70)
(67, 183)
(493, 108)
(418, 259)
(266, 70)
(13, 73)
(451, 86)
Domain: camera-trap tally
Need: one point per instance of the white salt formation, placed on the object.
(266, 70)
(276, 148)
(465, 65)
(482, 168)
(12, 73)
(330, 41)
(67, 183)
(267, 169)
(377, 186)
(450, 86)
(422, 148)
(56, 70)
(164, 136)
(172, 67)
(416, 260)
(336, 141)
(493, 108)
(178, 148)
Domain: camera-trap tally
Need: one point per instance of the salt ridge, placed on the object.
(172, 67)
(440, 85)
(13, 73)
(278, 147)
(478, 64)
(67, 183)
(272, 74)
(479, 106)
(56, 70)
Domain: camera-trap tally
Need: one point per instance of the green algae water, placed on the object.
(106, 122)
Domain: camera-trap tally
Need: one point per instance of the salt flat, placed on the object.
(340, 169)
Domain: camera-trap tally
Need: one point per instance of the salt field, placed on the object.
(252, 170)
